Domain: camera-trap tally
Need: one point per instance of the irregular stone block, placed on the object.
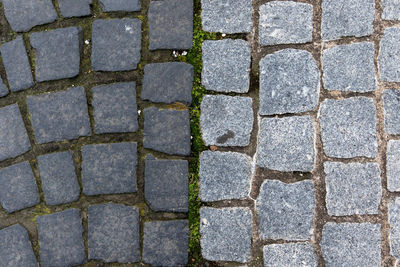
(391, 104)
(393, 165)
(295, 254)
(120, 5)
(74, 8)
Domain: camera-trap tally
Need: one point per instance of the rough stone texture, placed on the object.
(170, 24)
(391, 104)
(60, 239)
(391, 10)
(224, 175)
(394, 222)
(167, 130)
(59, 181)
(351, 244)
(284, 22)
(286, 211)
(109, 168)
(74, 8)
(350, 67)
(226, 120)
(16, 64)
(168, 82)
(3, 88)
(113, 233)
(389, 55)
(23, 17)
(289, 82)
(342, 18)
(60, 115)
(348, 127)
(295, 254)
(114, 108)
(227, 16)
(165, 243)
(166, 185)
(393, 165)
(116, 44)
(15, 247)
(120, 5)
(353, 188)
(226, 65)
(226, 234)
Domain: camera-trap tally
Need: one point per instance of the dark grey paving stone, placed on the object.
(57, 53)
(341, 18)
(285, 22)
(116, 44)
(286, 211)
(3, 88)
(348, 127)
(171, 24)
(224, 175)
(75, 8)
(226, 234)
(59, 181)
(389, 55)
(391, 10)
(350, 67)
(120, 5)
(15, 247)
(60, 115)
(289, 82)
(295, 254)
(165, 243)
(391, 104)
(226, 65)
(167, 131)
(394, 222)
(60, 239)
(113, 233)
(166, 185)
(115, 108)
(168, 82)
(351, 244)
(16, 64)
(23, 17)
(109, 168)
(393, 165)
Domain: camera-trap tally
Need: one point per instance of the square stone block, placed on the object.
(393, 165)
(3, 88)
(290, 254)
(391, 10)
(394, 222)
(75, 8)
(391, 104)
(389, 55)
(120, 5)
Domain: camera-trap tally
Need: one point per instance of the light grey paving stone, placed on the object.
(226, 234)
(350, 67)
(351, 244)
(115, 108)
(60, 239)
(286, 211)
(74, 8)
(289, 82)
(226, 65)
(166, 185)
(113, 233)
(167, 131)
(389, 55)
(60, 115)
(393, 165)
(59, 181)
(14, 140)
(23, 17)
(353, 188)
(170, 24)
(109, 168)
(116, 44)
(226, 120)
(341, 18)
(394, 222)
(286, 144)
(168, 82)
(294, 254)
(3, 88)
(285, 22)
(227, 16)
(16, 64)
(391, 10)
(391, 104)
(120, 5)
(165, 243)
(57, 53)
(348, 127)
(224, 175)
(15, 247)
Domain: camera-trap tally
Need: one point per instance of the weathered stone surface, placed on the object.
(168, 82)
(295, 254)
(289, 82)
(394, 222)
(3, 88)
(351, 244)
(113, 233)
(60, 238)
(389, 55)
(109, 168)
(74, 8)
(391, 10)
(393, 165)
(224, 175)
(60, 115)
(226, 65)
(226, 234)
(226, 120)
(285, 22)
(348, 127)
(120, 5)
(116, 44)
(391, 104)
